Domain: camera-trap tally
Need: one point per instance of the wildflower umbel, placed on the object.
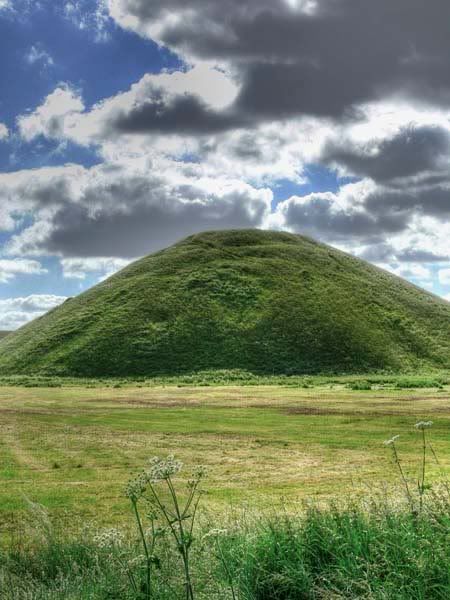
(198, 473)
(213, 533)
(136, 487)
(109, 538)
(392, 441)
(163, 468)
(421, 425)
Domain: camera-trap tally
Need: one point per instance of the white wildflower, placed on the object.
(198, 474)
(214, 533)
(136, 487)
(423, 425)
(109, 538)
(392, 441)
(161, 469)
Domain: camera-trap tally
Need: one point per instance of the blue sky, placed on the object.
(125, 126)
(101, 64)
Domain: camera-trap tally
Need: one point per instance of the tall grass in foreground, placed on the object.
(386, 547)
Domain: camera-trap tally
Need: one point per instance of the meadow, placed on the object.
(72, 448)
(303, 492)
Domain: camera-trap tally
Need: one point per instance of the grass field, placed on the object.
(73, 448)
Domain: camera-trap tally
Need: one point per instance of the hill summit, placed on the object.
(267, 302)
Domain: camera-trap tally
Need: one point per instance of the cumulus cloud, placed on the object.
(127, 210)
(412, 151)
(192, 102)
(15, 312)
(374, 222)
(299, 57)
(338, 216)
(264, 93)
(49, 118)
(11, 268)
(180, 103)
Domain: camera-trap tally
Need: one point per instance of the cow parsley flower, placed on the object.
(136, 487)
(421, 425)
(161, 469)
(392, 441)
(198, 474)
(109, 538)
(214, 533)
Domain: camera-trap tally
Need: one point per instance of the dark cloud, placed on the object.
(379, 214)
(185, 114)
(319, 217)
(50, 193)
(429, 201)
(415, 150)
(324, 62)
(378, 253)
(130, 216)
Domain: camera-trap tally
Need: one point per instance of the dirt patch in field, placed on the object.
(32, 411)
(148, 403)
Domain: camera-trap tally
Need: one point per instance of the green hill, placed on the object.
(267, 302)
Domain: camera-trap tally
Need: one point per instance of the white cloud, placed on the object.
(333, 216)
(4, 133)
(62, 114)
(163, 184)
(15, 312)
(78, 268)
(11, 268)
(89, 16)
(36, 54)
(5, 4)
(49, 118)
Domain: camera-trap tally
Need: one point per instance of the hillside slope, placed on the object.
(264, 301)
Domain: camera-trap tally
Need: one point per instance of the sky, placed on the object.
(126, 125)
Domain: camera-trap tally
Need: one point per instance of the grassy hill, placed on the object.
(267, 302)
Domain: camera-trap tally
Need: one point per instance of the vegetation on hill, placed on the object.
(267, 302)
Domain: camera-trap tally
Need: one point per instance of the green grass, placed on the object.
(264, 302)
(283, 462)
(262, 442)
(376, 553)
(374, 549)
